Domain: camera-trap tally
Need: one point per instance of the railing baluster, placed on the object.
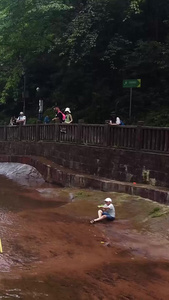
(106, 135)
(5, 133)
(79, 133)
(166, 141)
(37, 133)
(162, 142)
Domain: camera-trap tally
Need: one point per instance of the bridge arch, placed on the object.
(61, 175)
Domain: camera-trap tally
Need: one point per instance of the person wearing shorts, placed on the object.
(107, 211)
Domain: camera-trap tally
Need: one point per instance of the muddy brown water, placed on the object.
(50, 251)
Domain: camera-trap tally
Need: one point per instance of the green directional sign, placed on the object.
(132, 83)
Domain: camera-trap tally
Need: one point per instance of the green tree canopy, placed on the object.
(79, 52)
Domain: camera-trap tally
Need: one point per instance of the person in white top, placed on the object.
(68, 118)
(107, 211)
(118, 121)
(21, 119)
(114, 120)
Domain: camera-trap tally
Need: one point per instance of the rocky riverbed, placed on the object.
(51, 251)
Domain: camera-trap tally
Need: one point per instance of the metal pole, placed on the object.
(131, 93)
(24, 92)
(40, 109)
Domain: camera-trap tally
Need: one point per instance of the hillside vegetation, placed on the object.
(79, 52)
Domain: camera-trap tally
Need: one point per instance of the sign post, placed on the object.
(131, 94)
(131, 83)
(40, 109)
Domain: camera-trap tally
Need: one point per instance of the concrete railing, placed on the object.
(154, 139)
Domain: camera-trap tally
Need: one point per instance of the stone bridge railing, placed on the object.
(154, 139)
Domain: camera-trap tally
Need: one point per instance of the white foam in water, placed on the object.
(48, 192)
(21, 173)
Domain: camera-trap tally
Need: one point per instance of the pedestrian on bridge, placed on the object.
(46, 120)
(68, 118)
(21, 120)
(12, 121)
(114, 120)
(59, 116)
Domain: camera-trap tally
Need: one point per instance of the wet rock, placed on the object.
(21, 173)
(107, 244)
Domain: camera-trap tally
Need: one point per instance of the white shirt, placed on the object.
(110, 210)
(118, 121)
(22, 118)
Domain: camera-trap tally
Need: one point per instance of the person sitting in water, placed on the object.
(107, 211)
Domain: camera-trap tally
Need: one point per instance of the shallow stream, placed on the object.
(51, 251)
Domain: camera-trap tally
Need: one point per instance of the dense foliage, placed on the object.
(79, 52)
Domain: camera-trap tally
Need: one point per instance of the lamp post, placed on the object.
(40, 111)
(24, 91)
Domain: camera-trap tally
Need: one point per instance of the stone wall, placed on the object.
(110, 163)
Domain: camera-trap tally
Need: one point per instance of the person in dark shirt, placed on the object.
(59, 117)
(12, 121)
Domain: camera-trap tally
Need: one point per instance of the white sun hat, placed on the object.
(108, 200)
(67, 109)
(21, 113)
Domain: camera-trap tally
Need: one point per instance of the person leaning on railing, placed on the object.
(59, 116)
(68, 118)
(46, 120)
(21, 119)
(114, 120)
(12, 121)
(117, 121)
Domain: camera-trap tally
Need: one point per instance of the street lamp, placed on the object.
(40, 111)
(24, 90)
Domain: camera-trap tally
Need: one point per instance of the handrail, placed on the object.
(142, 138)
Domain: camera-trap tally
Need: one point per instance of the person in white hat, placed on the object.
(107, 211)
(68, 118)
(21, 119)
